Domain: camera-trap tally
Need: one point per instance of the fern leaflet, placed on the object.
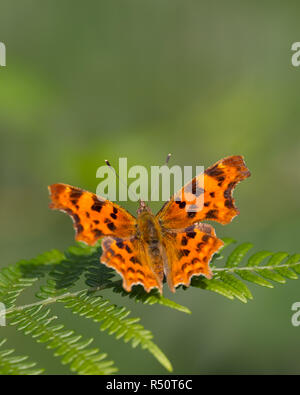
(114, 320)
(11, 364)
(35, 321)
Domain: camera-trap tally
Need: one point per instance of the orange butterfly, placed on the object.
(172, 243)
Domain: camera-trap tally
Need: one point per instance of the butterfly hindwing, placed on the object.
(189, 252)
(93, 216)
(129, 259)
(218, 203)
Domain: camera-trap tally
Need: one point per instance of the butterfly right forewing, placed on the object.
(218, 203)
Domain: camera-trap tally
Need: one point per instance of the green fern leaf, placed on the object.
(37, 323)
(238, 254)
(253, 278)
(11, 364)
(140, 295)
(237, 287)
(63, 272)
(212, 285)
(255, 271)
(115, 322)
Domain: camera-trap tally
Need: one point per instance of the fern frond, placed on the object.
(64, 270)
(85, 259)
(279, 267)
(11, 364)
(14, 279)
(37, 323)
(77, 260)
(115, 322)
(153, 297)
(12, 284)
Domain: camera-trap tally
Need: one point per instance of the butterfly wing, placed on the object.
(189, 252)
(219, 183)
(129, 258)
(93, 216)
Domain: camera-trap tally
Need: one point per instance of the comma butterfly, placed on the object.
(172, 244)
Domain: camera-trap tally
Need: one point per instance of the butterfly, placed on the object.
(174, 244)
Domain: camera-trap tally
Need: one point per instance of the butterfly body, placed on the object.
(174, 243)
(150, 236)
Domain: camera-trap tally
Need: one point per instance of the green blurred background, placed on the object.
(87, 81)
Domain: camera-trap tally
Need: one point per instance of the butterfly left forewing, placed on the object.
(94, 217)
(189, 252)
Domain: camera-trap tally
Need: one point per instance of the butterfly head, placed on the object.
(143, 208)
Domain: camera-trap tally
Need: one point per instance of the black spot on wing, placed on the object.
(214, 171)
(191, 234)
(213, 214)
(134, 259)
(185, 252)
(79, 228)
(120, 244)
(229, 203)
(184, 241)
(205, 238)
(220, 180)
(199, 246)
(128, 249)
(119, 256)
(97, 206)
(97, 232)
(111, 226)
(75, 194)
(74, 202)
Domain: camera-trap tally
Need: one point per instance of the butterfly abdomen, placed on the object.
(151, 238)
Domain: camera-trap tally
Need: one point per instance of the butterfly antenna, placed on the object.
(121, 181)
(168, 158)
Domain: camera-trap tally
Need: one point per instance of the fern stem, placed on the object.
(55, 299)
